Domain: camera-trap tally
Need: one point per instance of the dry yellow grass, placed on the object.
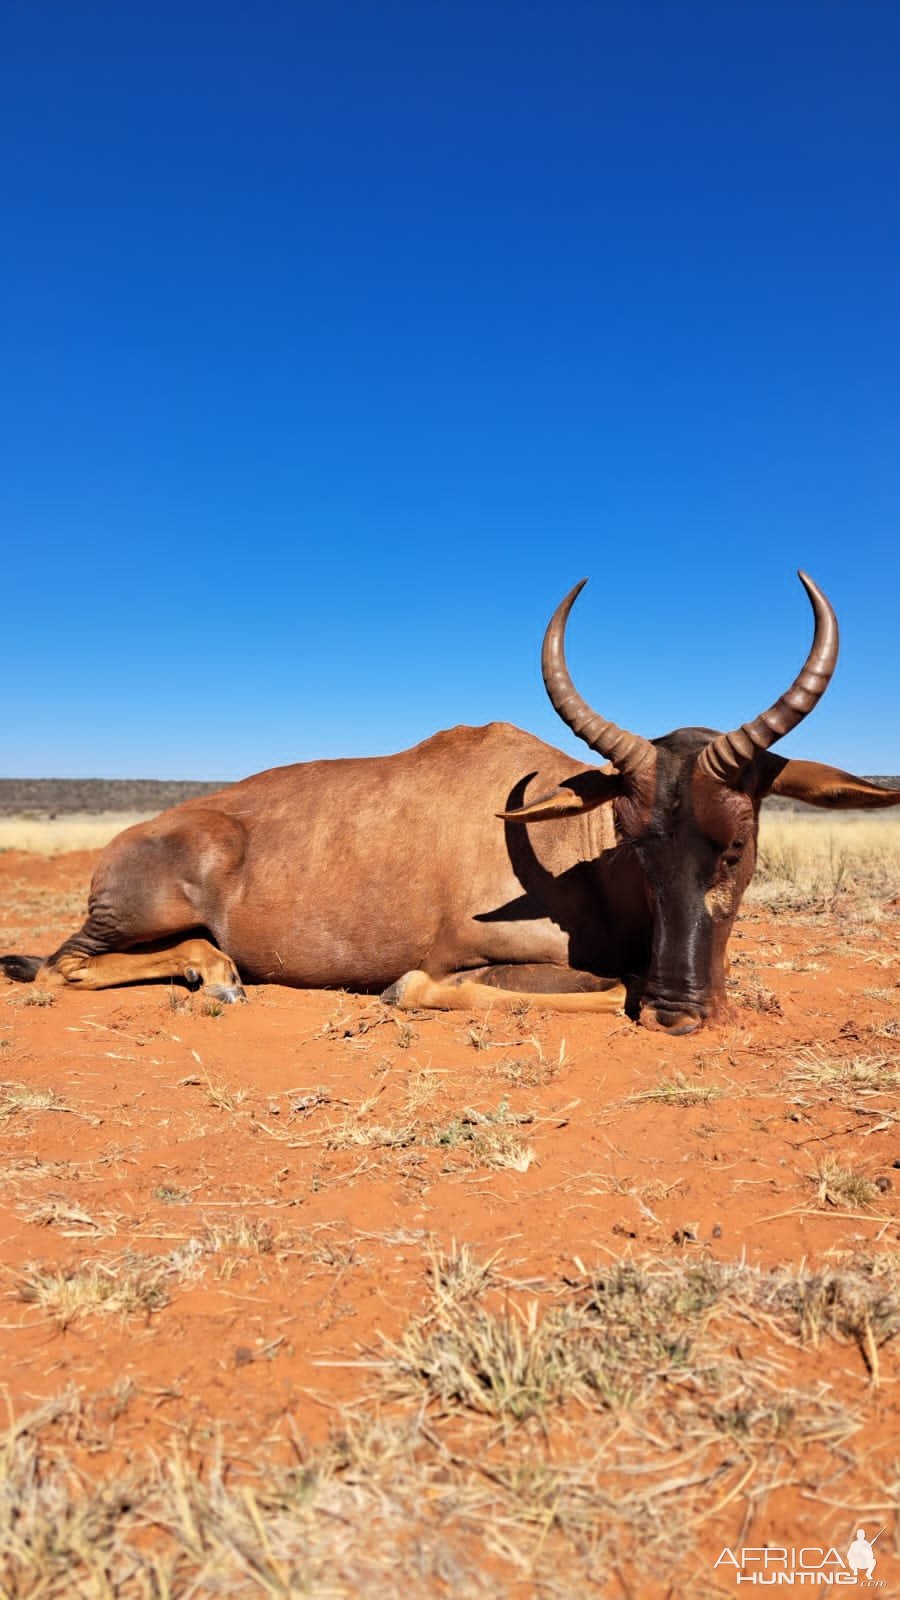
(52, 836)
(825, 858)
(466, 1481)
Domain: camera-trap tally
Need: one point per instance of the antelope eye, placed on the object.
(733, 852)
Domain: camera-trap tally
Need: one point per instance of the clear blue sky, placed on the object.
(339, 339)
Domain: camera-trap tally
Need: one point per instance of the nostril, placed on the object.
(673, 1022)
(683, 1024)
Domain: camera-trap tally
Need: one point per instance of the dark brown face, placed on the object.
(696, 845)
(687, 807)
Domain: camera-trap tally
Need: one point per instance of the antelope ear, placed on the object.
(584, 791)
(818, 785)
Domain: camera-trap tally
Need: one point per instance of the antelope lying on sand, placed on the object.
(481, 863)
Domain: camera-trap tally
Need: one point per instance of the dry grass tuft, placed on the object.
(534, 1068)
(122, 1286)
(850, 1075)
(248, 1235)
(486, 1138)
(469, 1485)
(859, 1302)
(630, 1334)
(677, 1091)
(756, 996)
(18, 1097)
(70, 1221)
(223, 1097)
(842, 1187)
(352, 1133)
(458, 1275)
(846, 861)
(35, 996)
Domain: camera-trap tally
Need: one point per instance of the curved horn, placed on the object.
(627, 751)
(726, 756)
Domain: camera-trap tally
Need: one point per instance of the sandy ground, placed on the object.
(290, 1168)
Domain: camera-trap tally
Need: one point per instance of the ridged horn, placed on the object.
(726, 757)
(627, 751)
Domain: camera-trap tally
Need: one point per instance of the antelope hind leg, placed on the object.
(195, 960)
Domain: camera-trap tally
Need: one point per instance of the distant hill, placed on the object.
(59, 797)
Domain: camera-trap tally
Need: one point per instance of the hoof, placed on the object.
(228, 993)
(403, 991)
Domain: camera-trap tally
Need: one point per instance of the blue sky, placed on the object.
(340, 339)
